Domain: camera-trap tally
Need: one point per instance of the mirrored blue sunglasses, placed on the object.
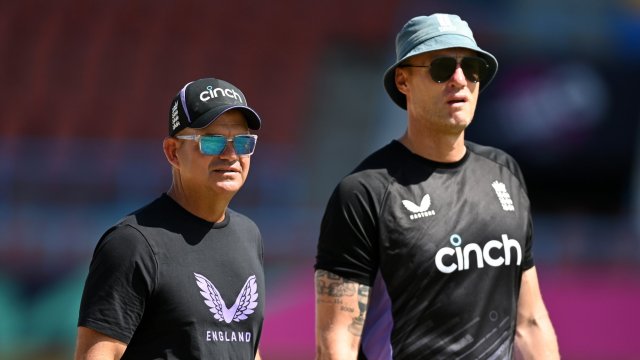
(244, 145)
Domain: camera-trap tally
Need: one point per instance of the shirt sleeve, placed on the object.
(528, 262)
(528, 250)
(348, 240)
(121, 276)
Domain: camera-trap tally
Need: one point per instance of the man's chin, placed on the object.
(228, 186)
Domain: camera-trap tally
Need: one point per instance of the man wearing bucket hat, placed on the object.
(182, 277)
(425, 248)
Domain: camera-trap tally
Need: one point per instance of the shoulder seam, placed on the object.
(503, 165)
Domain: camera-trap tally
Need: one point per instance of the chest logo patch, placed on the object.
(503, 196)
(419, 211)
(244, 305)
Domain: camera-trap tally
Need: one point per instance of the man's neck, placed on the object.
(208, 207)
(440, 148)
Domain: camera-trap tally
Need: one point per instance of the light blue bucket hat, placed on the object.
(429, 33)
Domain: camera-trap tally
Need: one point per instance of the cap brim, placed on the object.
(390, 75)
(253, 120)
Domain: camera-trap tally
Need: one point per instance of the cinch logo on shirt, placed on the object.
(419, 211)
(244, 305)
(458, 258)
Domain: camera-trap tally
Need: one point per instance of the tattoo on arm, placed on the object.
(363, 300)
(333, 285)
(334, 288)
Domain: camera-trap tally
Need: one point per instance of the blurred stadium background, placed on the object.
(85, 88)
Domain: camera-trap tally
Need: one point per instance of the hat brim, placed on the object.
(446, 41)
(253, 120)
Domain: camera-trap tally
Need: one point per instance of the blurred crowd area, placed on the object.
(85, 91)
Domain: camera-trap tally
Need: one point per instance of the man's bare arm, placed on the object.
(92, 345)
(341, 308)
(535, 337)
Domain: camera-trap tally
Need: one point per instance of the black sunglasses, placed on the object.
(441, 69)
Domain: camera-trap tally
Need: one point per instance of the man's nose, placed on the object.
(229, 152)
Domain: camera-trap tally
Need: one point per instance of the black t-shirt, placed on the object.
(442, 245)
(174, 286)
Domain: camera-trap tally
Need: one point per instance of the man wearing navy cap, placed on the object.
(425, 248)
(182, 277)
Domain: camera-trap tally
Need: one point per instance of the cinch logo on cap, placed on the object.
(212, 93)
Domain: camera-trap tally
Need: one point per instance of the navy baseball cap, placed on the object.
(202, 101)
(429, 33)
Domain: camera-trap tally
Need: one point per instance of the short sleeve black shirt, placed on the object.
(174, 286)
(442, 245)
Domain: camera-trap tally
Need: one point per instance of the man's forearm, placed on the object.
(536, 339)
(341, 307)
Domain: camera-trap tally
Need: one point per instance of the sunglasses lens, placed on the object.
(212, 144)
(215, 144)
(244, 144)
(475, 69)
(442, 68)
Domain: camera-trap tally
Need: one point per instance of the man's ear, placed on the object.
(170, 147)
(401, 80)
